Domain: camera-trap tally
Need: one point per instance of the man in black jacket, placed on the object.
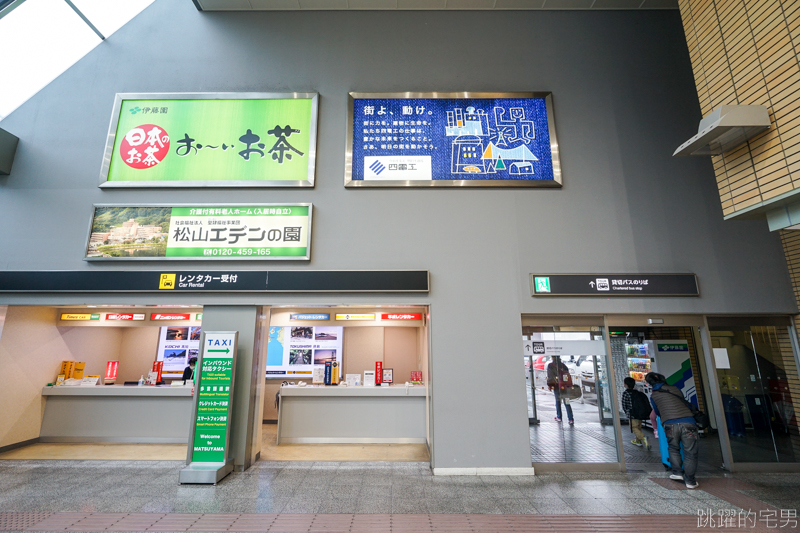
(679, 427)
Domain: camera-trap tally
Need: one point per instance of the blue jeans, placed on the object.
(566, 403)
(685, 435)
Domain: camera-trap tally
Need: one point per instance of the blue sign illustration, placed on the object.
(427, 139)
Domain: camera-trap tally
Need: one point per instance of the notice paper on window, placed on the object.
(721, 358)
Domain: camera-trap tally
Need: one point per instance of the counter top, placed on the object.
(117, 390)
(394, 390)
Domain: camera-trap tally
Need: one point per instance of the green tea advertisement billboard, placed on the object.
(211, 140)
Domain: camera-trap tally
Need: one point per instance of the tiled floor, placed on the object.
(354, 523)
(587, 441)
(337, 452)
(269, 451)
(145, 495)
(99, 451)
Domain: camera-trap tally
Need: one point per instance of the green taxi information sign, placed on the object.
(211, 140)
(210, 436)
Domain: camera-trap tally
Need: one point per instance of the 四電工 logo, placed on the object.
(144, 146)
(377, 167)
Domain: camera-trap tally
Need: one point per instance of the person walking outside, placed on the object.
(559, 381)
(679, 428)
(636, 405)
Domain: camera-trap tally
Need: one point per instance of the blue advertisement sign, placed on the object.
(475, 141)
(318, 316)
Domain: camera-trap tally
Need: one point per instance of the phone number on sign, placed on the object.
(240, 251)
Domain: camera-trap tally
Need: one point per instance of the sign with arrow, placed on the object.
(210, 435)
(612, 285)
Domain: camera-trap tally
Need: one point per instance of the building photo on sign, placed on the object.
(484, 140)
(299, 350)
(200, 231)
(176, 346)
(223, 140)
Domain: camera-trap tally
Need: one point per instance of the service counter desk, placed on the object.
(358, 415)
(117, 413)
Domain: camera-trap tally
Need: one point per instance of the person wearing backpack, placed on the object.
(636, 405)
(680, 428)
(559, 381)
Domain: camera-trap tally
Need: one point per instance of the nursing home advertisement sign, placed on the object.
(452, 139)
(200, 231)
(211, 140)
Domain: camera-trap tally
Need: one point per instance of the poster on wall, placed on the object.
(295, 351)
(672, 359)
(211, 140)
(200, 232)
(451, 139)
(176, 345)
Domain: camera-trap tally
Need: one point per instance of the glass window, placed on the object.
(755, 365)
(43, 38)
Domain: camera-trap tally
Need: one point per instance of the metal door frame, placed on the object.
(545, 320)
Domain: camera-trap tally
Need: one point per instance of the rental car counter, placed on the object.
(358, 415)
(117, 413)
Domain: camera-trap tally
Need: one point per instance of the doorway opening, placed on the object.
(676, 353)
(569, 401)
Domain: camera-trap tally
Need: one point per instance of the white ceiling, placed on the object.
(436, 5)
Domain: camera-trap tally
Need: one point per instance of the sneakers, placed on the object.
(557, 419)
(676, 477)
(637, 442)
(691, 484)
(647, 444)
(571, 422)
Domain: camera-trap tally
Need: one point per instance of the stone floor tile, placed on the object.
(590, 506)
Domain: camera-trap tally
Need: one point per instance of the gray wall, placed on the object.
(624, 99)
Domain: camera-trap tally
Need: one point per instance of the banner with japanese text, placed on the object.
(184, 140)
(200, 231)
(214, 389)
(459, 139)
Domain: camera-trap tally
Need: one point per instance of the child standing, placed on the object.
(637, 407)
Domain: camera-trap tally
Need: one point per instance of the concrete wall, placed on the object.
(624, 98)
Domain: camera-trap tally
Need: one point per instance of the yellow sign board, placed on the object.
(79, 316)
(356, 317)
(166, 281)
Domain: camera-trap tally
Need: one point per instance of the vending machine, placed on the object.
(639, 361)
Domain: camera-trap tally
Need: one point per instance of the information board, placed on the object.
(452, 139)
(214, 389)
(211, 140)
(176, 345)
(295, 351)
(200, 232)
